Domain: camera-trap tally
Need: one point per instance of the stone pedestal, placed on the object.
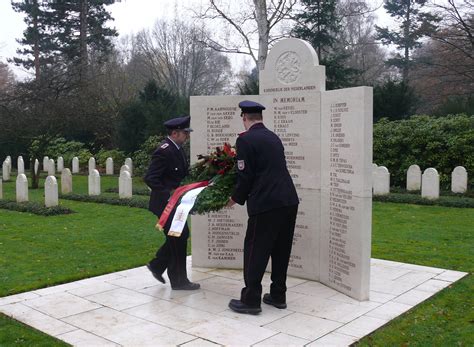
(328, 147)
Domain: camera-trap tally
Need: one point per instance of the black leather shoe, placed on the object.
(157, 275)
(239, 307)
(188, 286)
(267, 298)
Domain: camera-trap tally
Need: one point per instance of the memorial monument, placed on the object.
(328, 146)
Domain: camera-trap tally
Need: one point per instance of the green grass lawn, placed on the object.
(37, 251)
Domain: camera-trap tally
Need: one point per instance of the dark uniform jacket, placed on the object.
(263, 179)
(167, 169)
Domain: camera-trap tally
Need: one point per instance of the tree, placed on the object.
(38, 47)
(246, 23)
(7, 78)
(393, 100)
(177, 58)
(319, 23)
(414, 24)
(357, 37)
(79, 27)
(63, 32)
(248, 84)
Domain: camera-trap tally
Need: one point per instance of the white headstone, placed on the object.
(36, 166)
(45, 164)
(413, 178)
(459, 180)
(125, 168)
(20, 165)
(381, 181)
(75, 165)
(9, 162)
(125, 185)
(51, 168)
(109, 166)
(374, 171)
(60, 164)
(327, 137)
(66, 181)
(1, 188)
(129, 163)
(91, 164)
(5, 171)
(51, 192)
(430, 184)
(21, 188)
(94, 182)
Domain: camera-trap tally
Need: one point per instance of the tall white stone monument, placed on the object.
(381, 180)
(45, 163)
(125, 185)
(91, 164)
(36, 166)
(20, 165)
(51, 168)
(5, 171)
(129, 163)
(51, 192)
(75, 165)
(94, 183)
(430, 184)
(60, 164)
(125, 168)
(66, 181)
(109, 166)
(414, 178)
(459, 180)
(21, 188)
(328, 146)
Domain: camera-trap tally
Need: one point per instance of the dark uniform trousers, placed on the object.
(172, 256)
(269, 234)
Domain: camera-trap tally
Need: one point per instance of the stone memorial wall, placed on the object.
(328, 148)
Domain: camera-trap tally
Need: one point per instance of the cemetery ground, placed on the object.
(38, 251)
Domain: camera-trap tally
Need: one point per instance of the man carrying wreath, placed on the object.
(264, 183)
(167, 169)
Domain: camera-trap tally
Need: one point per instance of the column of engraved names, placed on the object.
(291, 113)
(288, 113)
(340, 198)
(219, 128)
(223, 230)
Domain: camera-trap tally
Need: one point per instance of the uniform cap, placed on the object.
(180, 123)
(251, 107)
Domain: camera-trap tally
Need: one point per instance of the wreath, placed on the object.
(218, 167)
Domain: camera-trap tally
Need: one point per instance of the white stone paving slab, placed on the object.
(223, 331)
(304, 326)
(82, 338)
(283, 340)
(61, 305)
(120, 299)
(334, 340)
(139, 311)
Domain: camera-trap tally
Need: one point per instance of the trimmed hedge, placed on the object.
(446, 201)
(135, 191)
(101, 199)
(34, 207)
(439, 142)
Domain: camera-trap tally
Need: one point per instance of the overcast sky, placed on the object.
(130, 16)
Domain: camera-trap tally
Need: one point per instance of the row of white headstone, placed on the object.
(49, 166)
(51, 186)
(428, 182)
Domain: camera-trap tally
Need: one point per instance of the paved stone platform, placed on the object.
(131, 308)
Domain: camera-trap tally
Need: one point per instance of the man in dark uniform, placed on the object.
(167, 169)
(263, 181)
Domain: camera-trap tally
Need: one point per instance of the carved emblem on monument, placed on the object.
(288, 67)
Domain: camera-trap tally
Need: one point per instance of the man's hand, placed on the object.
(230, 203)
